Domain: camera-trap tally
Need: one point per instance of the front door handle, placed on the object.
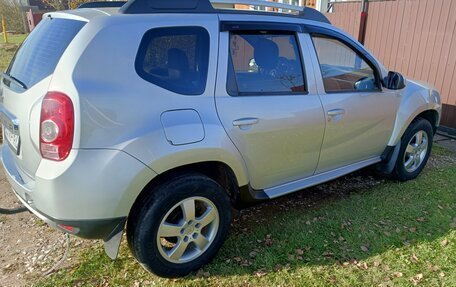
(335, 114)
(245, 122)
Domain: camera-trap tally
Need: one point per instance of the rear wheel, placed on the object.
(180, 226)
(416, 145)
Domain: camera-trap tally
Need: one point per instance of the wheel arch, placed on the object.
(218, 171)
(417, 102)
(390, 155)
(432, 116)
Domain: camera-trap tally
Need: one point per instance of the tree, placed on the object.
(11, 10)
(66, 4)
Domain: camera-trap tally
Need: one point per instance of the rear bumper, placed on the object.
(89, 229)
(88, 197)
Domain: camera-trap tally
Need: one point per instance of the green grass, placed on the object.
(361, 230)
(7, 50)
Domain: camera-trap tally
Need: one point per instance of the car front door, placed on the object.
(269, 110)
(359, 115)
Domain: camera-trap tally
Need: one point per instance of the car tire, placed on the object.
(416, 145)
(189, 212)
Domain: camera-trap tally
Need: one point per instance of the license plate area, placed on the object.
(11, 132)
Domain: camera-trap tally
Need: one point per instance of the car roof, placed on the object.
(90, 10)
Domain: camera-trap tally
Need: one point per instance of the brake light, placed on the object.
(56, 126)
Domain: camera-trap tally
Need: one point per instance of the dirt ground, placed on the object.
(29, 247)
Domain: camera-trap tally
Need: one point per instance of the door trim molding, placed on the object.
(296, 185)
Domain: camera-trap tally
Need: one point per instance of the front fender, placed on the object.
(416, 98)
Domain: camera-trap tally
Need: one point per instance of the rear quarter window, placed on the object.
(175, 58)
(41, 51)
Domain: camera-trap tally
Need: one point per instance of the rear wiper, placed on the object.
(13, 79)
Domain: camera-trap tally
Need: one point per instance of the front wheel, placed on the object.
(180, 226)
(416, 145)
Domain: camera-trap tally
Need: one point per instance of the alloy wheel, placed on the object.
(188, 229)
(416, 151)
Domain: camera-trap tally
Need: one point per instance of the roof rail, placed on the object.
(167, 6)
(206, 6)
(261, 4)
(102, 4)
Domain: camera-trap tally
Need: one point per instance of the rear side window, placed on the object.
(41, 51)
(265, 63)
(175, 59)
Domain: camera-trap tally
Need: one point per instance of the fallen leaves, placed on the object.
(279, 267)
(414, 258)
(433, 268)
(416, 279)
(240, 261)
(260, 273)
(268, 241)
(328, 254)
(444, 242)
(364, 248)
(254, 253)
(202, 273)
(362, 265)
(397, 274)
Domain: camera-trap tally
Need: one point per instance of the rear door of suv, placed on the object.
(267, 101)
(25, 84)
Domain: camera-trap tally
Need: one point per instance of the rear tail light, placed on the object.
(56, 126)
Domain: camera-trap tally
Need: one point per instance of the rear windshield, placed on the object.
(41, 51)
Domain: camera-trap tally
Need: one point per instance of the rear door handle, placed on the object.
(335, 115)
(245, 122)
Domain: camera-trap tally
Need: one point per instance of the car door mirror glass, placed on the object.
(253, 67)
(394, 81)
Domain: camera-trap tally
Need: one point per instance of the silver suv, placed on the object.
(163, 115)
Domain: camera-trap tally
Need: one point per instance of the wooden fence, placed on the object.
(414, 37)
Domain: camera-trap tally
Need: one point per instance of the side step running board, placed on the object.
(299, 184)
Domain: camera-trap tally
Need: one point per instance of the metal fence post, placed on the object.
(5, 35)
(363, 23)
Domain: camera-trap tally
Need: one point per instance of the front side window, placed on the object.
(264, 63)
(343, 70)
(175, 59)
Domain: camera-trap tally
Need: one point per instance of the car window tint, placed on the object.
(175, 59)
(41, 51)
(264, 63)
(342, 68)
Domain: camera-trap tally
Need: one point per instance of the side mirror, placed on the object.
(253, 67)
(394, 81)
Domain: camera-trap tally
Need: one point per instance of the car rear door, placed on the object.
(267, 101)
(360, 115)
(25, 83)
